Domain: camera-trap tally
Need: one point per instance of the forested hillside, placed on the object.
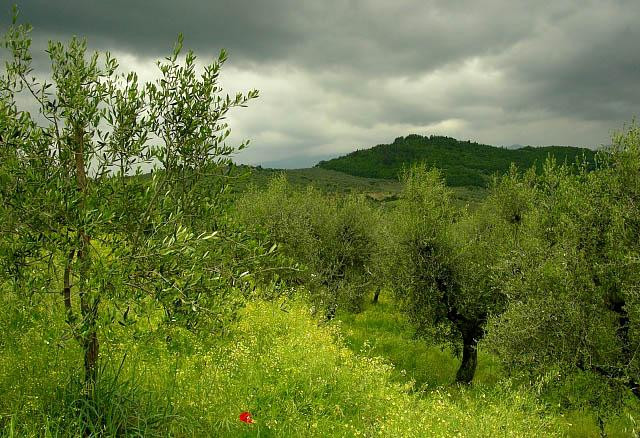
(463, 163)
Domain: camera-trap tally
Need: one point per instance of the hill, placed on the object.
(464, 163)
(328, 181)
(333, 182)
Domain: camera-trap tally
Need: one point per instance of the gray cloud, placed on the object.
(379, 36)
(343, 74)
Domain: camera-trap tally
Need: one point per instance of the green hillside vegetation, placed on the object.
(463, 163)
(334, 182)
(325, 180)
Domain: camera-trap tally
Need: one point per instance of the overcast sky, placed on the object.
(335, 76)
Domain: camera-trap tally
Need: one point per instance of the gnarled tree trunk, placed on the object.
(472, 332)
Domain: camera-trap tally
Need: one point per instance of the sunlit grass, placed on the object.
(296, 376)
(381, 330)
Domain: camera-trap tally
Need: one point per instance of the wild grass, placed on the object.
(383, 330)
(572, 404)
(297, 377)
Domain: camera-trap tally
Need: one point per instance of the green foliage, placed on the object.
(384, 329)
(463, 163)
(327, 181)
(295, 377)
(576, 402)
(77, 217)
(573, 285)
(441, 262)
(152, 266)
(417, 242)
(385, 192)
(333, 238)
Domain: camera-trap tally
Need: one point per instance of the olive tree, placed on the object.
(331, 238)
(78, 216)
(442, 262)
(574, 301)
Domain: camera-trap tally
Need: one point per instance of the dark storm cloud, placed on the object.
(586, 63)
(399, 37)
(337, 75)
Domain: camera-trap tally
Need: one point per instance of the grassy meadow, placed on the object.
(360, 375)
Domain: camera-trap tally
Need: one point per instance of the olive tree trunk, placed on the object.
(471, 332)
(89, 301)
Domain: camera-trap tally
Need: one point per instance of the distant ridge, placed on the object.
(463, 163)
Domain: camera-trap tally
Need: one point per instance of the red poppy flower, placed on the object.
(245, 417)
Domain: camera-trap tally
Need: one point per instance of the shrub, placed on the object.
(333, 238)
